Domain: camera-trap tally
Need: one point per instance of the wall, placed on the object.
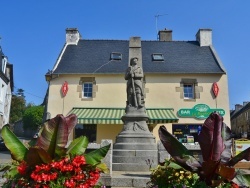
(163, 91)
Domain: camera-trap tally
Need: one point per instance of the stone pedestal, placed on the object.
(135, 148)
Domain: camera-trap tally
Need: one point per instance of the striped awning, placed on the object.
(113, 115)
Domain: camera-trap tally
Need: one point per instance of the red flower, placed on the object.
(22, 168)
(234, 185)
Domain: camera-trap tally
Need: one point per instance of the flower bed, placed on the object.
(217, 168)
(50, 161)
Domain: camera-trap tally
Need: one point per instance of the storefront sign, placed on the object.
(64, 88)
(215, 89)
(199, 111)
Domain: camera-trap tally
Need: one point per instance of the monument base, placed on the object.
(135, 148)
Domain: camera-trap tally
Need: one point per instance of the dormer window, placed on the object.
(115, 56)
(157, 57)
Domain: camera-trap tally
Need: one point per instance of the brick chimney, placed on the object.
(72, 36)
(165, 35)
(204, 37)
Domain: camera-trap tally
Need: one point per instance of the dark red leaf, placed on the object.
(210, 138)
(177, 150)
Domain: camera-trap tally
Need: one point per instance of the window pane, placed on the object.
(188, 91)
(87, 90)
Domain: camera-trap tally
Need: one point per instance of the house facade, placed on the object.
(184, 81)
(6, 88)
(240, 120)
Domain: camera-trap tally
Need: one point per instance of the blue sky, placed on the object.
(33, 33)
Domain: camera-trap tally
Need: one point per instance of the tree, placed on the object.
(33, 117)
(17, 108)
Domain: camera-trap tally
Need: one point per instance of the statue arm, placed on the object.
(139, 73)
(128, 74)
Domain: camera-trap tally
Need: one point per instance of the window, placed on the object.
(115, 56)
(188, 91)
(157, 57)
(88, 130)
(87, 90)
(4, 62)
(186, 133)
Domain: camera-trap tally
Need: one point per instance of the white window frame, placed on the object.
(4, 63)
(85, 94)
(187, 94)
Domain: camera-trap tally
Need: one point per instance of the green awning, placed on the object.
(113, 115)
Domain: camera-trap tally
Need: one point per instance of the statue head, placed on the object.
(133, 61)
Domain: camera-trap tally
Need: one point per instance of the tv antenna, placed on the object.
(156, 21)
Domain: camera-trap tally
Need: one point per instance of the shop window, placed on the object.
(88, 130)
(187, 133)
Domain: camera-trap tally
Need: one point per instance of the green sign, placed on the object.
(199, 111)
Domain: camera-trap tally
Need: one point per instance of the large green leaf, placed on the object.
(17, 148)
(55, 133)
(242, 178)
(95, 157)
(78, 146)
(103, 167)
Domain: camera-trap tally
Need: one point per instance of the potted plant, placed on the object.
(51, 160)
(216, 169)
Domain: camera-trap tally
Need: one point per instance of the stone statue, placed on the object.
(134, 75)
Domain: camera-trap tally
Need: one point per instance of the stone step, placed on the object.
(134, 146)
(124, 179)
(130, 153)
(136, 159)
(132, 167)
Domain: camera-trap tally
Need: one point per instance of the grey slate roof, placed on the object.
(92, 56)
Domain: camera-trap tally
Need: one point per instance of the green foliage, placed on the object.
(50, 147)
(217, 167)
(17, 148)
(17, 108)
(32, 117)
(172, 175)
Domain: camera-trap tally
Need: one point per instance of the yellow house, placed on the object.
(180, 82)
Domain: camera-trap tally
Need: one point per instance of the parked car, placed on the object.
(2, 146)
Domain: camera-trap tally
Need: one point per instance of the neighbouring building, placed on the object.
(184, 81)
(6, 88)
(240, 120)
